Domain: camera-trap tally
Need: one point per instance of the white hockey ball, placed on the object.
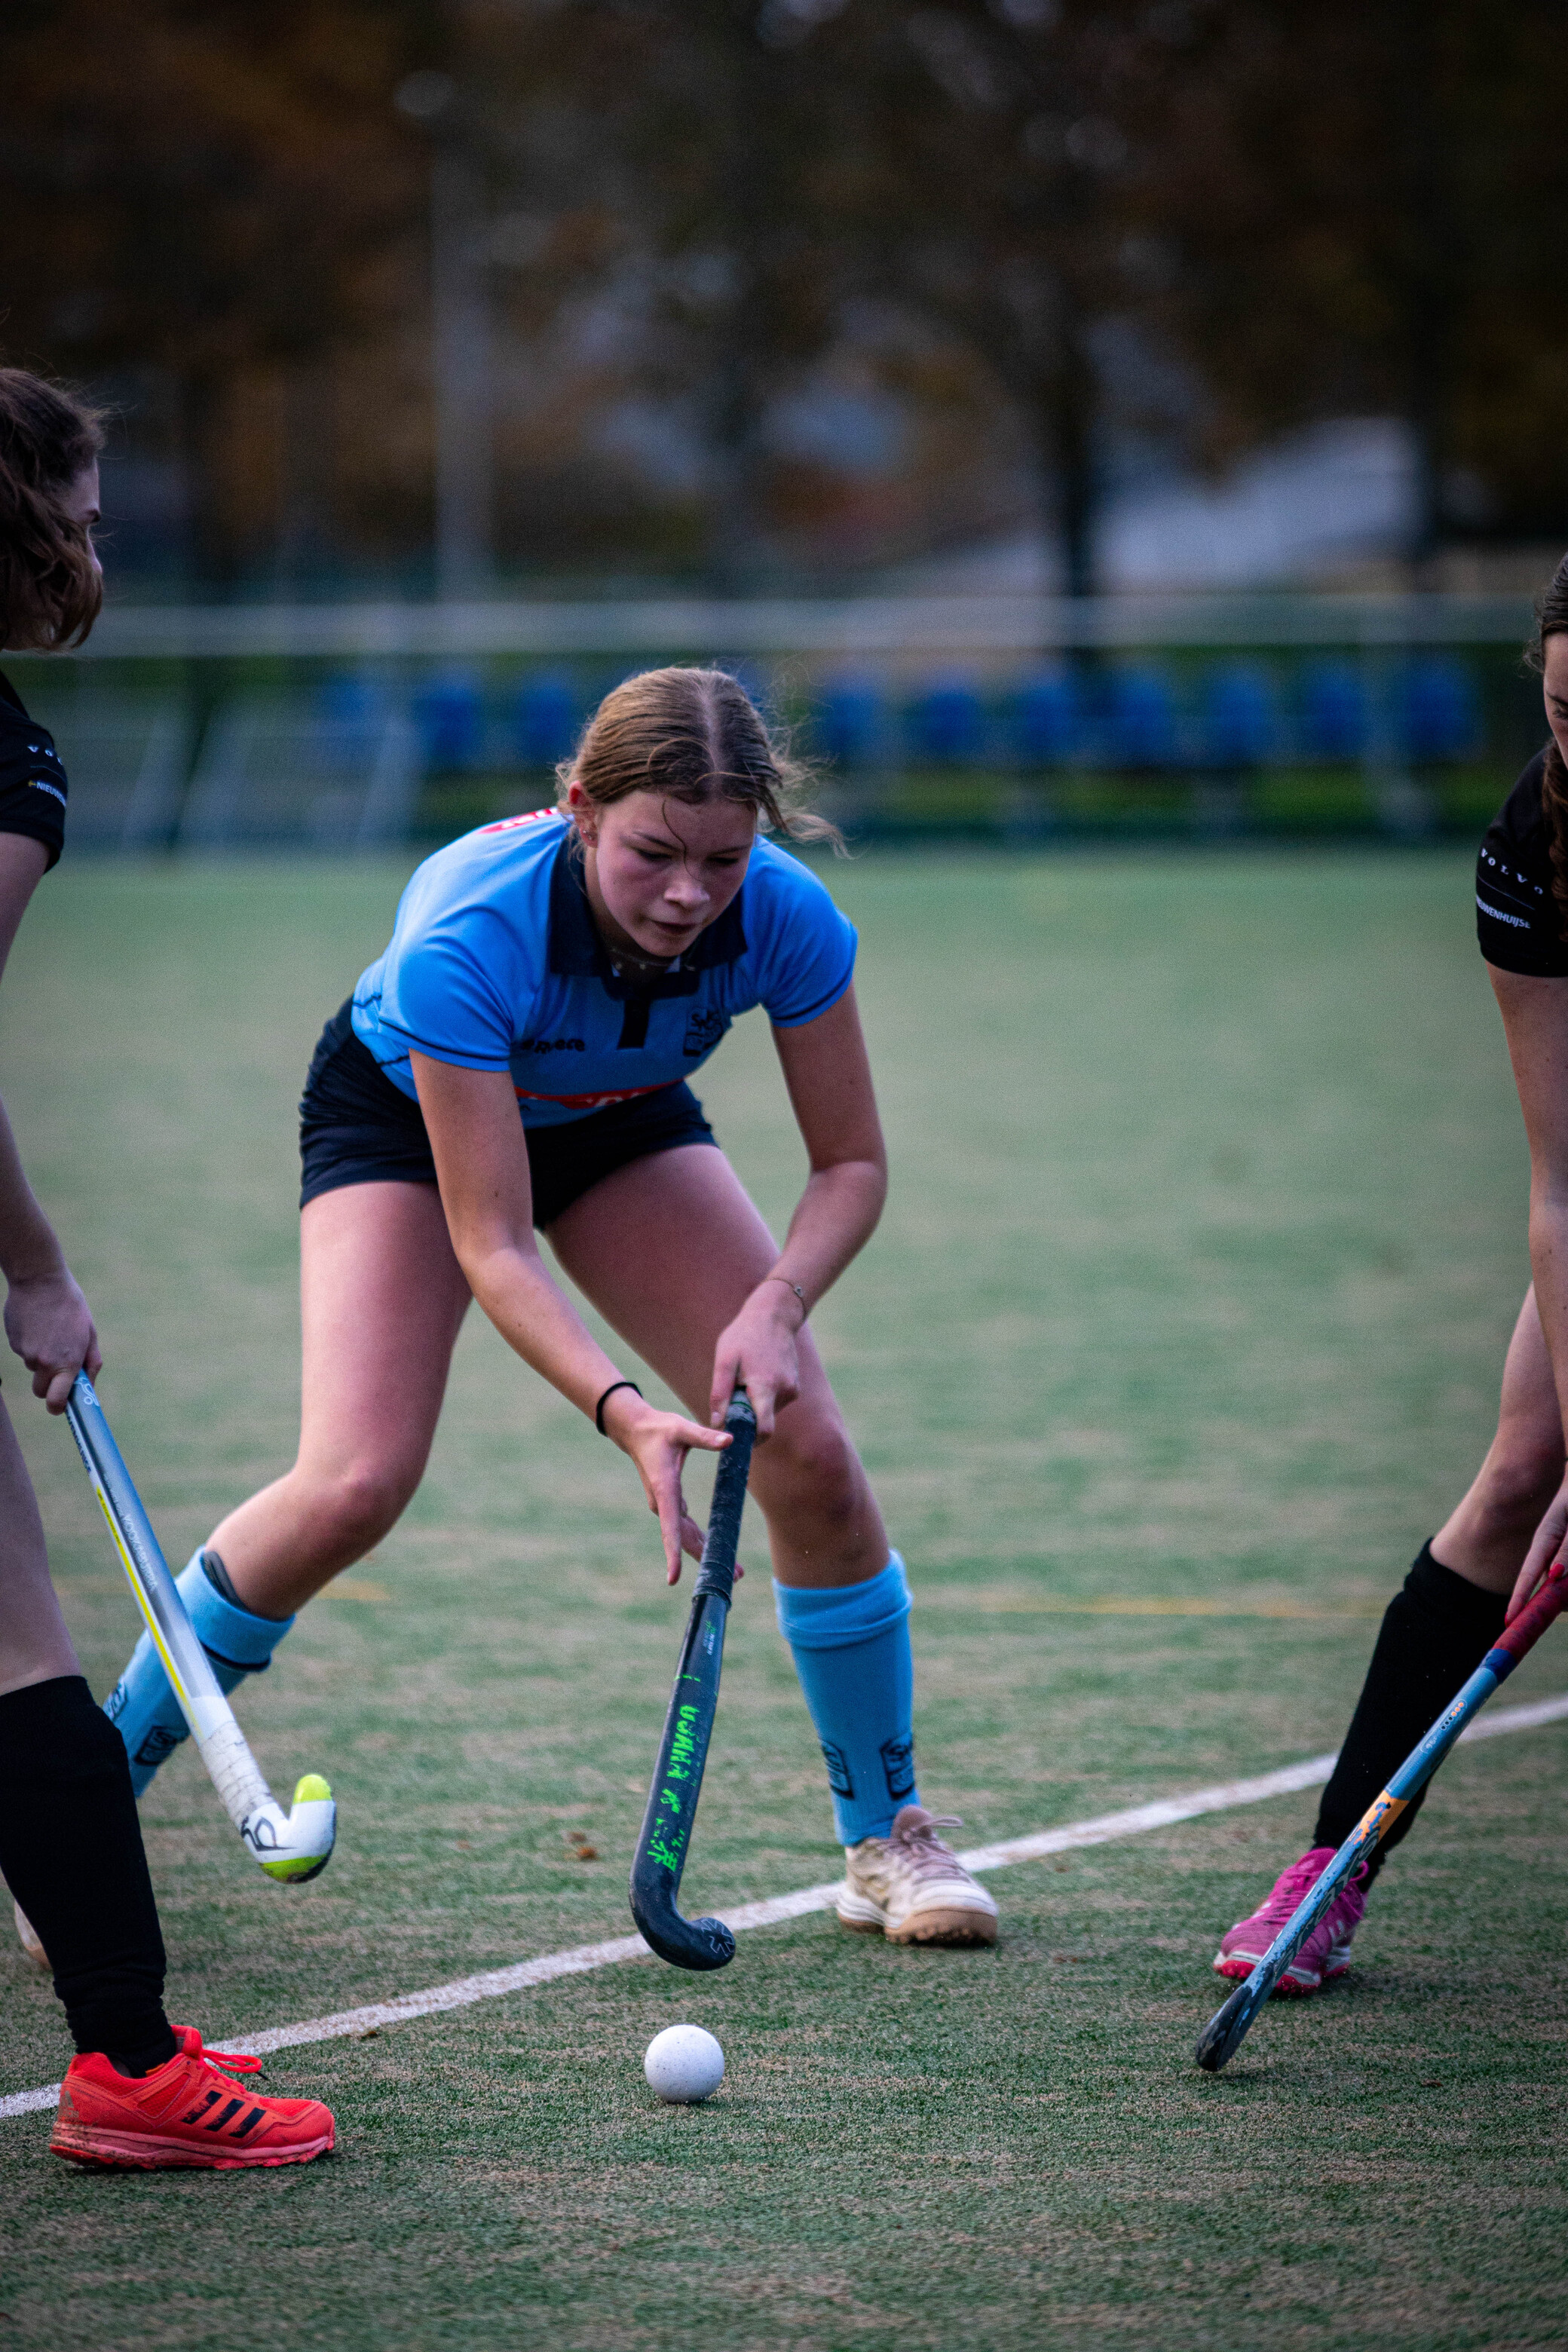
(683, 2065)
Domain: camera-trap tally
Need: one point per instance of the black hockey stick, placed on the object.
(678, 1778)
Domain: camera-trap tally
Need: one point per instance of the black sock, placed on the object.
(70, 1852)
(222, 1584)
(1435, 1631)
(142, 2061)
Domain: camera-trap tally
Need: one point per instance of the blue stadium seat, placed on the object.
(545, 718)
(947, 723)
(1438, 709)
(1336, 718)
(1046, 718)
(1240, 720)
(349, 698)
(352, 712)
(1141, 721)
(851, 722)
(449, 716)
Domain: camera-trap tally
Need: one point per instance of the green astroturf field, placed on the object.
(1206, 1232)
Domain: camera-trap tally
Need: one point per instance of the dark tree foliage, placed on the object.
(1363, 204)
(1006, 194)
(966, 161)
(682, 133)
(200, 185)
(1295, 207)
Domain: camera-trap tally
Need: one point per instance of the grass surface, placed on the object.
(1206, 1232)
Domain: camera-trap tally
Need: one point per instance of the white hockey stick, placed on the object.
(290, 1846)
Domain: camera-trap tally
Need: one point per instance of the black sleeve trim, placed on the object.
(33, 786)
(36, 810)
(1509, 951)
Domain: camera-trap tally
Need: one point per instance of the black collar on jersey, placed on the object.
(576, 949)
(9, 694)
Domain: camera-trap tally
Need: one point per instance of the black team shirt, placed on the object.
(1520, 924)
(32, 781)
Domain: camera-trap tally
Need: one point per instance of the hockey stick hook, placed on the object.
(671, 1810)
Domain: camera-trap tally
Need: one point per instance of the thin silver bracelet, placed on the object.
(788, 1285)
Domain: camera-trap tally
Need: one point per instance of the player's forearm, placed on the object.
(28, 1247)
(836, 1217)
(538, 1321)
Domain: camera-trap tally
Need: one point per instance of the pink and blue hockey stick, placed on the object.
(1227, 2027)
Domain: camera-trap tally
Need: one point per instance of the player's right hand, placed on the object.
(50, 1325)
(659, 1443)
(1546, 1545)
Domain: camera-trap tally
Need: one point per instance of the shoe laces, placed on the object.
(1290, 1888)
(917, 1845)
(235, 2061)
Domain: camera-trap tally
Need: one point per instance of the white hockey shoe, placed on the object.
(911, 1887)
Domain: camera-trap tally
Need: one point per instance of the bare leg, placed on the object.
(1487, 1537)
(34, 1644)
(668, 1249)
(382, 1298)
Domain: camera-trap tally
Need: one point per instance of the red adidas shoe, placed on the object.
(183, 2113)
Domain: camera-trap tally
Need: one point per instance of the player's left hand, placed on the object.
(759, 1348)
(1546, 1545)
(50, 1325)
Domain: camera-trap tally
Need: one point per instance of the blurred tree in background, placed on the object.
(764, 290)
(213, 193)
(1363, 205)
(1014, 186)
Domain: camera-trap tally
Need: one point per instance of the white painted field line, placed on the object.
(491, 1983)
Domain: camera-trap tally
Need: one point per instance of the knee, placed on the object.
(815, 1468)
(1516, 1486)
(355, 1506)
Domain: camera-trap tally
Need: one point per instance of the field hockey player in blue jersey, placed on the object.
(519, 1058)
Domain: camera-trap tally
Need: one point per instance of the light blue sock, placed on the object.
(142, 1704)
(852, 1653)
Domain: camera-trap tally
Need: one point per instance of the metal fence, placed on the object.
(358, 727)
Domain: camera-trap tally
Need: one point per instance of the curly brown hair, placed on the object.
(1551, 621)
(50, 586)
(697, 735)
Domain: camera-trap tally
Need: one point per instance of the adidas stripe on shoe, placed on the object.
(185, 2113)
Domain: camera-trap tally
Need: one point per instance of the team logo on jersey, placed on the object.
(703, 1031)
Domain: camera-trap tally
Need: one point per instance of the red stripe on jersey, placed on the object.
(594, 1102)
(510, 824)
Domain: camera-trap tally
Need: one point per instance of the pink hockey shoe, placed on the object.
(1326, 1954)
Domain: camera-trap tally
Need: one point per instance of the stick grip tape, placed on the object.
(1528, 1627)
(717, 1572)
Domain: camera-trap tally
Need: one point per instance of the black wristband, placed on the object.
(604, 1401)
